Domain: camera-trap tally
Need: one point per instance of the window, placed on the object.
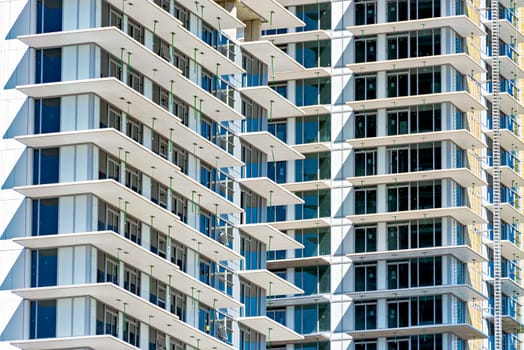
(133, 179)
(157, 339)
(426, 342)
(365, 87)
(365, 200)
(313, 91)
(252, 250)
(46, 166)
(178, 304)
(133, 229)
(47, 115)
(416, 119)
(158, 292)
(313, 279)
(48, 66)
(398, 46)
(48, 16)
(365, 315)
(132, 331)
(132, 279)
(316, 16)
(398, 83)
(314, 53)
(277, 314)
(159, 243)
(178, 254)
(256, 70)
(108, 166)
(365, 277)
(365, 345)
(315, 166)
(365, 12)
(365, 124)
(280, 88)
(278, 129)
(44, 268)
(414, 44)
(42, 319)
(421, 272)
(251, 296)
(45, 216)
(414, 196)
(365, 49)
(317, 204)
(251, 340)
(277, 171)
(110, 116)
(253, 159)
(108, 217)
(315, 128)
(107, 268)
(312, 318)
(256, 116)
(415, 311)
(159, 193)
(418, 157)
(134, 129)
(316, 241)
(365, 239)
(106, 320)
(416, 81)
(365, 162)
(402, 10)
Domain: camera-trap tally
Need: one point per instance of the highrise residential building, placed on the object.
(260, 174)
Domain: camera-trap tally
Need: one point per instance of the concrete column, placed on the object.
(252, 30)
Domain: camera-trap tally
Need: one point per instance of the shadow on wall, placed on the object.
(22, 25)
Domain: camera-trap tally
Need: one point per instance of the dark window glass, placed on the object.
(47, 115)
(48, 65)
(45, 216)
(43, 319)
(48, 16)
(46, 165)
(43, 267)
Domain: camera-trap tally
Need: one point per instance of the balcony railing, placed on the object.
(506, 196)
(504, 13)
(506, 122)
(505, 50)
(509, 233)
(509, 270)
(507, 86)
(506, 159)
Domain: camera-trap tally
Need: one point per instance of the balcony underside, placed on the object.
(508, 176)
(508, 213)
(275, 149)
(509, 105)
(461, 330)
(276, 104)
(509, 286)
(464, 253)
(270, 328)
(99, 342)
(273, 284)
(309, 35)
(508, 140)
(273, 238)
(463, 291)
(272, 56)
(509, 250)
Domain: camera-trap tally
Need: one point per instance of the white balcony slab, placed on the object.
(273, 238)
(313, 147)
(316, 109)
(274, 193)
(463, 62)
(462, 176)
(508, 213)
(275, 149)
(305, 73)
(300, 2)
(273, 284)
(138, 206)
(462, 24)
(309, 35)
(509, 33)
(125, 98)
(462, 252)
(272, 56)
(509, 323)
(277, 105)
(509, 177)
(274, 14)
(301, 224)
(274, 331)
(299, 262)
(462, 291)
(307, 185)
(463, 138)
(461, 330)
(136, 307)
(147, 12)
(509, 286)
(508, 139)
(142, 59)
(509, 105)
(461, 99)
(139, 157)
(137, 256)
(214, 13)
(99, 342)
(464, 215)
(508, 68)
(509, 250)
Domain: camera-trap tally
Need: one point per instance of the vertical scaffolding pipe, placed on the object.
(495, 83)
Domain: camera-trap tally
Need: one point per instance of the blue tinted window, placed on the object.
(276, 213)
(45, 216)
(45, 166)
(47, 115)
(316, 242)
(43, 319)
(276, 171)
(313, 91)
(48, 16)
(315, 166)
(48, 65)
(316, 16)
(43, 268)
(311, 129)
(280, 88)
(314, 53)
(279, 130)
(316, 204)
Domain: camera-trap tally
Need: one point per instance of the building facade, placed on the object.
(271, 174)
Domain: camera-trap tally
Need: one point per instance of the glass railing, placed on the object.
(509, 233)
(508, 270)
(509, 342)
(507, 86)
(504, 13)
(510, 307)
(506, 122)
(506, 159)
(504, 50)
(507, 195)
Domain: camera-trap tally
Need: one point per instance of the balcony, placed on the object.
(511, 240)
(274, 331)
(510, 132)
(143, 60)
(462, 330)
(138, 206)
(510, 204)
(462, 138)
(137, 307)
(274, 239)
(509, 342)
(510, 169)
(509, 24)
(462, 24)
(288, 38)
(510, 103)
(509, 61)
(511, 279)
(275, 149)
(462, 62)
(273, 284)
(76, 342)
(511, 317)
(462, 291)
